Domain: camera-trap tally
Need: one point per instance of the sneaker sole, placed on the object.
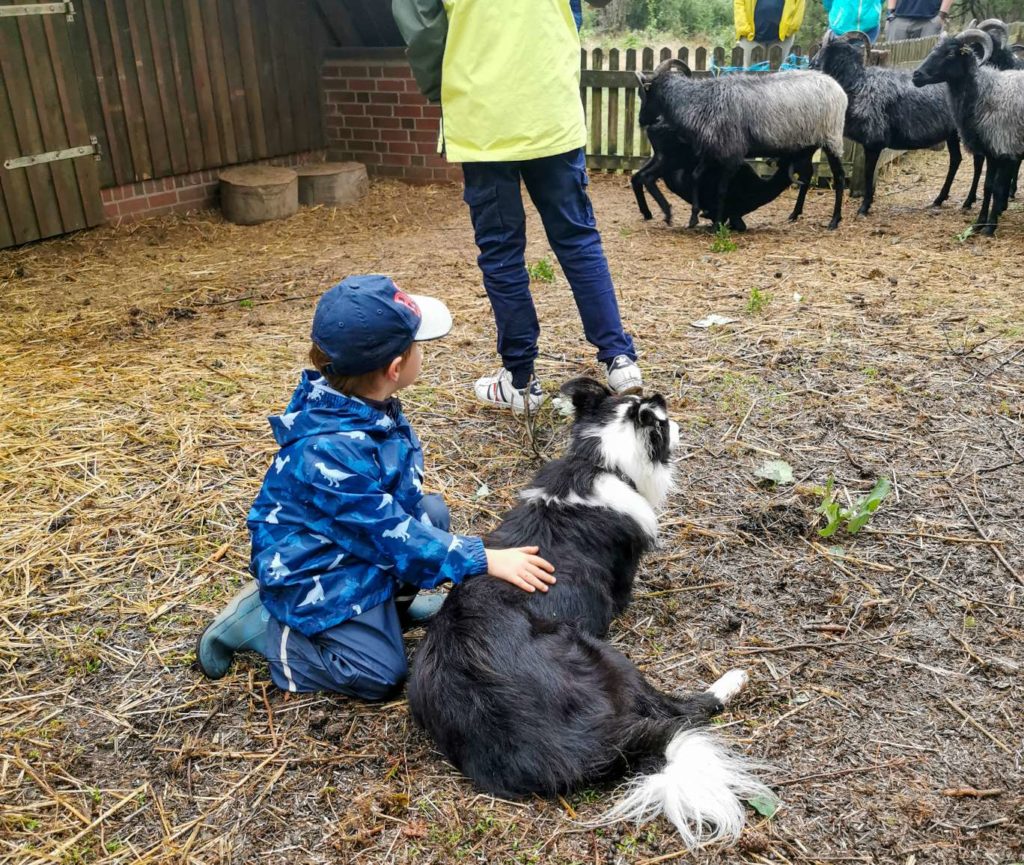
(508, 406)
(632, 390)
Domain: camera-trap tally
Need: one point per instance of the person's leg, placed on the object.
(239, 627)
(415, 609)
(437, 511)
(558, 188)
(748, 48)
(912, 28)
(495, 202)
(363, 657)
(899, 29)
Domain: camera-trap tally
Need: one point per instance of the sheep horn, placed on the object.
(993, 26)
(978, 37)
(673, 65)
(643, 83)
(858, 36)
(1017, 49)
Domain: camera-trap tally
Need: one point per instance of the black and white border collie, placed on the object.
(519, 690)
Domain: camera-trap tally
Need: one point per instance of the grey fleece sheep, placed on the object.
(728, 119)
(1004, 56)
(989, 109)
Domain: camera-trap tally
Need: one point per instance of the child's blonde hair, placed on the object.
(350, 385)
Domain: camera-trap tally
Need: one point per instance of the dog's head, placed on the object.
(632, 435)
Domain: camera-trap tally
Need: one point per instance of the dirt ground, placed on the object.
(140, 363)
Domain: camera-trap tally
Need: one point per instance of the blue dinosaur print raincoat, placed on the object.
(339, 522)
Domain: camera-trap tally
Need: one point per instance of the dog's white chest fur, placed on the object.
(608, 492)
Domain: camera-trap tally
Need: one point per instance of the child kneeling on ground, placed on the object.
(343, 536)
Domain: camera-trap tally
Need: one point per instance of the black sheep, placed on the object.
(674, 160)
(989, 110)
(886, 110)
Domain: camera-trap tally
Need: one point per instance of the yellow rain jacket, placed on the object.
(510, 81)
(767, 21)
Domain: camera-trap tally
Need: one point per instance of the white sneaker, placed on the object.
(497, 390)
(624, 375)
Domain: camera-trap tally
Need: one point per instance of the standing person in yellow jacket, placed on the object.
(767, 23)
(506, 73)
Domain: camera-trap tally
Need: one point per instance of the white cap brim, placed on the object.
(436, 321)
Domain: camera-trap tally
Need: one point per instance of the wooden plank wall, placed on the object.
(40, 111)
(173, 86)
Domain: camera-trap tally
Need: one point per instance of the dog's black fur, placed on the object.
(518, 690)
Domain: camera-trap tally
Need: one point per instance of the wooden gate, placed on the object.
(49, 182)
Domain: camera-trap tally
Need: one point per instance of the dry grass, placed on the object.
(140, 363)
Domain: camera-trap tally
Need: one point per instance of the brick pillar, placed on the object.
(375, 114)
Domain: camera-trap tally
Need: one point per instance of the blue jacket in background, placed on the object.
(339, 522)
(847, 15)
(577, 12)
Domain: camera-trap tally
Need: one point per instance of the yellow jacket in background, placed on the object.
(510, 82)
(767, 20)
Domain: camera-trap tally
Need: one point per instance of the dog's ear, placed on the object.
(586, 395)
(653, 411)
(652, 419)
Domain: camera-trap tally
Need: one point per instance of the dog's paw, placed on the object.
(729, 685)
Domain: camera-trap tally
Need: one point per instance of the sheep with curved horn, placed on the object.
(1003, 57)
(988, 106)
(673, 162)
(727, 119)
(886, 110)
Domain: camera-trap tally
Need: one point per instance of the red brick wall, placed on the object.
(182, 192)
(375, 114)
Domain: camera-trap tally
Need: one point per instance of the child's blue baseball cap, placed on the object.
(365, 322)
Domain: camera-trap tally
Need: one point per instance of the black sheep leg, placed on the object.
(803, 168)
(870, 163)
(728, 171)
(656, 194)
(646, 177)
(986, 201)
(955, 158)
(698, 174)
(835, 163)
(1003, 171)
(972, 195)
(637, 182)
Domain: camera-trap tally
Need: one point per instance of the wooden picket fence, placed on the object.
(608, 88)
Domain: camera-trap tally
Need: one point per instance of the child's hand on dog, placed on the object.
(521, 567)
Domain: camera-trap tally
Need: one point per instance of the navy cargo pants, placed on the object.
(558, 188)
(363, 657)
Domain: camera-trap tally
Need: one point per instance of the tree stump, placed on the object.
(258, 193)
(332, 183)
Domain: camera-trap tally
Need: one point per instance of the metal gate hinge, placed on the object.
(67, 9)
(56, 155)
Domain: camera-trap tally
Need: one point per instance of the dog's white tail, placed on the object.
(699, 790)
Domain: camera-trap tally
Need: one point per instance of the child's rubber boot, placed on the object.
(422, 609)
(242, 625)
